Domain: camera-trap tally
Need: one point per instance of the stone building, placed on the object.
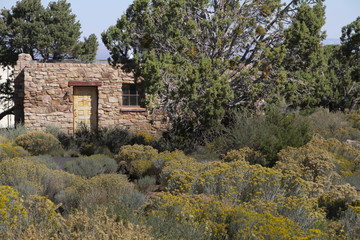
(68, 95)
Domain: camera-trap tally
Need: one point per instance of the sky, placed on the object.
(96, 16)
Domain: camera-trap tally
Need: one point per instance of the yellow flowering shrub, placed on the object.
(136, 159)
(221, 220)
(38, 142)
(245, 154)
(80, 225)
(147, 138)
(321, 163)
(12, 210)
(140, 168)
(8, 151)
(240, 182)
(131, 153)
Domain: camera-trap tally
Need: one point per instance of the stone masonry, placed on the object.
(44, 96)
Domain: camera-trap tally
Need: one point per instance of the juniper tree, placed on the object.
(195, 58)
(50, 33)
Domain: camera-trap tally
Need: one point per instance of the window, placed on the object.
(131, 96)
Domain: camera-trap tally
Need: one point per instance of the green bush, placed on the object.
(47, 161)
(267, 134)
(98, 190)
(65, 140)
(91, 166)
(38, 142)
(12, 133)
(145, 184)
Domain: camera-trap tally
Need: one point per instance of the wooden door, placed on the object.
(85, 107)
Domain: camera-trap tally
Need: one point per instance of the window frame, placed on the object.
(138, 96)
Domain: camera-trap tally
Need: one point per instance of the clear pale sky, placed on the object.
(96, 16)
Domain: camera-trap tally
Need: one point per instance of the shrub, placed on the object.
(8, 151)
(136, 159)
(145, 184)
(47, 161)
(65, 140)
(91, 166)
(267, 134)
(115, 137)
(209, 218)
(351, 222)
(326, 123)
(141, 168)
(30, 177)
(147, 138)
(321, 163)
(38, 142)
(78, 225)
(98, 190)
(245, 154)
(12, 211)
(130, 153)
(12, 133)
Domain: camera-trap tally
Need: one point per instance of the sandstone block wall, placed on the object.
(44, 96)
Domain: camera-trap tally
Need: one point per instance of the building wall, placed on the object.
(7, 121)
(44, 96)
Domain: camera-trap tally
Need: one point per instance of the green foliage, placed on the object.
(31, 176)
(98, 190)
(12, 133)
(145, 184)
(343, 68)
(50, 33)
(95, 142)
(188, 58)
(38, 142)
(267, 134)
(65, 140)
(91, 166)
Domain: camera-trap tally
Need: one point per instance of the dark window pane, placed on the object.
(125, 100)
(132, 89)
(126, 88)
(133, 100)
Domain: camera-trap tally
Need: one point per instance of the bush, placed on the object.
(30, 176)
(91, 166)
(326, 123)
(267, 134)
(12, 133)
(8, 151)
(136, 159)
(65, 140)
(38, 142)
(12, 211)
(47, 161)
(146, 183)
(98, 190)
(141, 168)
(129, 153)
(245, 154)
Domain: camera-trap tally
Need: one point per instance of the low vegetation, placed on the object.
(310, 190)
